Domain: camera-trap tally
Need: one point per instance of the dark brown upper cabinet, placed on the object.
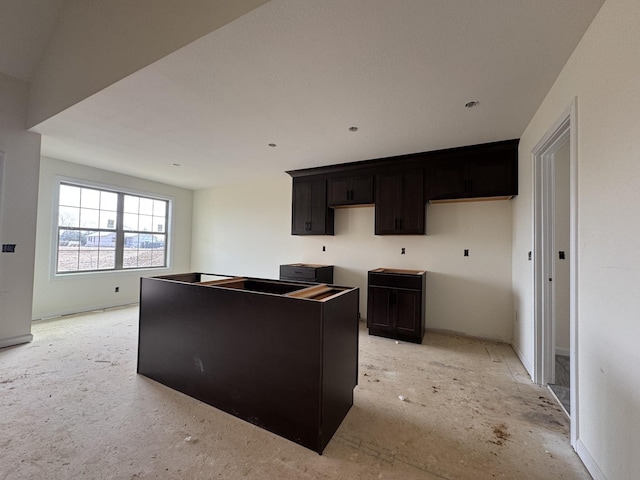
(399, 186)
(351, 190)
(310, 213)
(482, 174)
(400, 205)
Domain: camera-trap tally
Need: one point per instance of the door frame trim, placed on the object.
(563, 130)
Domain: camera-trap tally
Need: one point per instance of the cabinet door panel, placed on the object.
(448, 179)
(362, 190)
(310, 213)
(355, 190)
(413, 202)
(388, 203)
(408, 313)
(379, 313)
(318, 212)
(491, 178)
(339, 191)
(301, 207)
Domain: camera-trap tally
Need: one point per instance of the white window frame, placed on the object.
(59, 180)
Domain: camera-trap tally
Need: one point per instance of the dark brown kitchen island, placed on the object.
(281, 355)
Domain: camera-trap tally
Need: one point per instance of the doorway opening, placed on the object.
(555, 263)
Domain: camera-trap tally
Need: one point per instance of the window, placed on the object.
(108, 230)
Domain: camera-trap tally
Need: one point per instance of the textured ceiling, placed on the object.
(25, 28)
(299, 73)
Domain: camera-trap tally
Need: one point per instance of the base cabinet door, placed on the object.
(379, 311)
(408, 311)
(395, 306)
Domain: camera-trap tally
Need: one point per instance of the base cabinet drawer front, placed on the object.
(307, 273)
(408, 281)
(393, 310)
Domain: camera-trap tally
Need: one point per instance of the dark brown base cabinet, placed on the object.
(395, 304)
(307, 272)
(282, 356)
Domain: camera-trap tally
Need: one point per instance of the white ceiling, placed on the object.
(25, 29)
(299, 73)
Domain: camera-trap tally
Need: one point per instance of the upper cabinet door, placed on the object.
(400, 206)
(493, 177)
(476, 174)
(310, 214)
(448, 179)
(352, 190)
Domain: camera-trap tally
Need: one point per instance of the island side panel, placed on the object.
(252, 355)
(339, 361)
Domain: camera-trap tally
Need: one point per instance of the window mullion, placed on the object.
(120, 233)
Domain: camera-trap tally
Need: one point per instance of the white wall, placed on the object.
(97, 43)
(63, 294)
(245, 229)
(19, 193)
(603, 74)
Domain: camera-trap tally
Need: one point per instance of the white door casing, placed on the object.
(564, 130)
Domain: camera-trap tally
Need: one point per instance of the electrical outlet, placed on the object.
(117, 289)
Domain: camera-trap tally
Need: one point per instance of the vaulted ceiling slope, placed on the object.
(25, 30)
(299, 73)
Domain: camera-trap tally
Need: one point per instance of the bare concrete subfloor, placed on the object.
(73, 407)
